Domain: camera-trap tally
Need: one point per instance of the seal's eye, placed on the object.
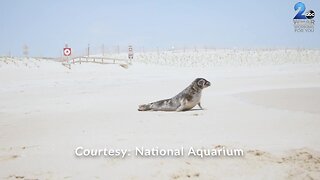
(201, 83)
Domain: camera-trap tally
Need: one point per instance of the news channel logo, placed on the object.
(303, 21)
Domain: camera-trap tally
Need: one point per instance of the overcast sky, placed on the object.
(45, 25)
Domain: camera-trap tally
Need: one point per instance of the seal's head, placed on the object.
(201, 83)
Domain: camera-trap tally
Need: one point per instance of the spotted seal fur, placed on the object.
(185, 100)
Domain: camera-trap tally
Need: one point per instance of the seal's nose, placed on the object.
(208, 83)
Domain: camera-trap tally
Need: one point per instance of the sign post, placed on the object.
(130, 53)
(67, 52)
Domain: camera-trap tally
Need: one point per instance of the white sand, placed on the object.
(270, 111)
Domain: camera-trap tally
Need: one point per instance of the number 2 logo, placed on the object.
(301, 8)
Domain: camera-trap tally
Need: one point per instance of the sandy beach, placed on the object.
(270, 110)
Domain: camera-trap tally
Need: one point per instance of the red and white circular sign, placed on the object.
(66, 51)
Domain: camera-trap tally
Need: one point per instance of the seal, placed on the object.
(184, 101)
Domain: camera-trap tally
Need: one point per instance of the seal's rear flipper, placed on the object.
(144, 107)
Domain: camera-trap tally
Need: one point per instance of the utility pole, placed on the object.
(102, 48)
(88, 52)
(118, 49)
(26, 51)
